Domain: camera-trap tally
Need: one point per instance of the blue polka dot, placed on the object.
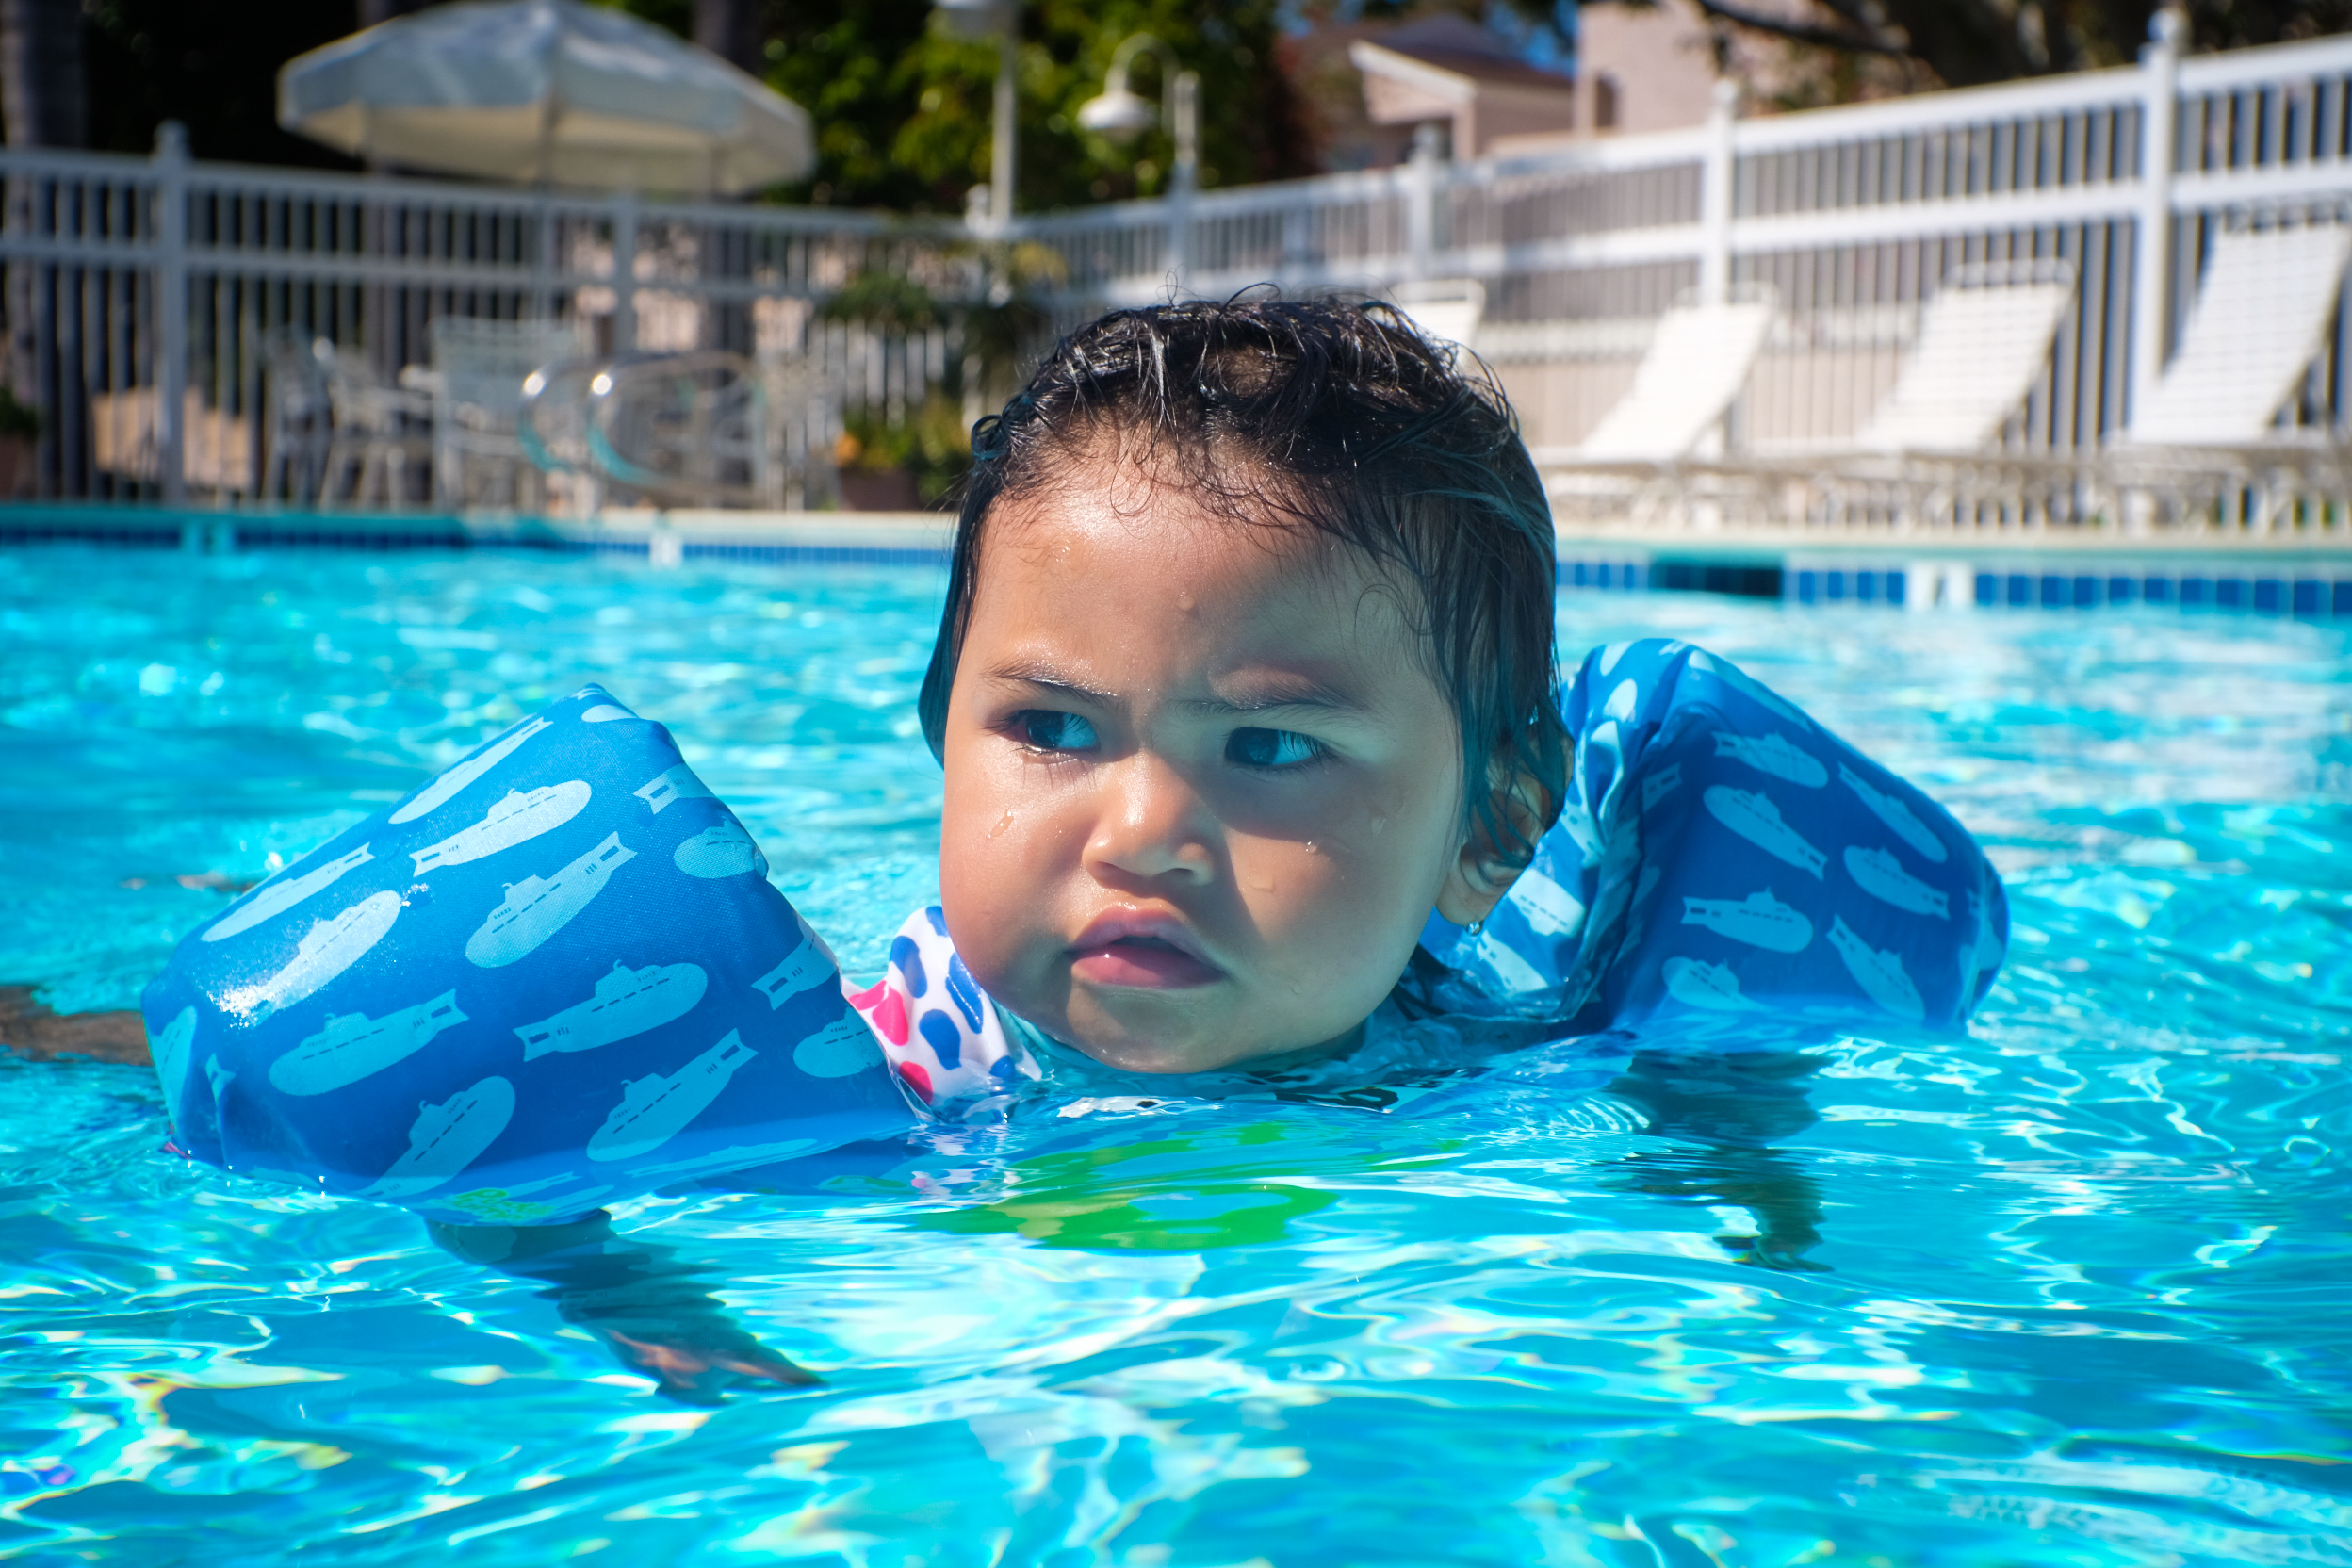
(945, 1039)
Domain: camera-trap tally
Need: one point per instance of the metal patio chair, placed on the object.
(476, 383)
(379, 429)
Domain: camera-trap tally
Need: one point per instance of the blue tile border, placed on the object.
(2306, 589)
(154, 528)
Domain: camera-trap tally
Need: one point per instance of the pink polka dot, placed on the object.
(890, 1017)
(912, 1072)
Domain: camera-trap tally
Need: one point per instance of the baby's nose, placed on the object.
(1153, 825)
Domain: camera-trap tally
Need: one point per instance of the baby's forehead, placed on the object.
(1172, 551)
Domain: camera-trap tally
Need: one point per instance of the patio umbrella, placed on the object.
(546, 90)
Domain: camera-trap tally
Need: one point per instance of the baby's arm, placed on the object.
(645, 1304)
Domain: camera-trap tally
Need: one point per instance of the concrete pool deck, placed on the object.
(2305, 574)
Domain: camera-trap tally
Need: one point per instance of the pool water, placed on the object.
(2072, 1290)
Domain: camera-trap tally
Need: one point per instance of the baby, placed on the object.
(1246, 666)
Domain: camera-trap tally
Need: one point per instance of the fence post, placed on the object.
(1421, 200)
(171, 376)
(2151, 241)
(625, 272)
(1716, 175)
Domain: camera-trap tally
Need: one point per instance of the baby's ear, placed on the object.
(1490, 861)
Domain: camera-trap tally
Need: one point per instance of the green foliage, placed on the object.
(929, 441)
(991, 328)
(902, 106)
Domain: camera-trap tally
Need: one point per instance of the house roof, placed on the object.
(1455, 47)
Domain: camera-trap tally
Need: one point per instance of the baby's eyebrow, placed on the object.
(1051, 683)
(1289, 691)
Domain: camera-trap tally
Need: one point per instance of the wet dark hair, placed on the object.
(1326, 417)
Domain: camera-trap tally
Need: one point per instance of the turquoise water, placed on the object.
(2070, 1291)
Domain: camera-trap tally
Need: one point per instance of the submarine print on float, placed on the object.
(1896, 815)
(448, 1137)
(1877, 873)
(1517, 976)
(1696, 983)
(355, 1045)
(1658, 785)
(1758, 920)
(536, 908)
(678, 784)
(1753, 817)
(627, 1002)
(841, 1048)
(1774, 754)
(517, 819)
(722, 849)
(441, 788)
(1880, 974)
(1551, 909)
(605, 713)
(654, 1110)
(172, 1054)
(330, 947)
(279, 894)
(804, 969)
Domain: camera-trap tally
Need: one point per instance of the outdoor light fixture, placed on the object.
(1121, 116)
(1000, 20)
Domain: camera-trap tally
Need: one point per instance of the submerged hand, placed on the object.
(644, 1306)
(694, 1374)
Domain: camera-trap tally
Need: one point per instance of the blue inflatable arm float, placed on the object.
(1723, 866)
(555, 975)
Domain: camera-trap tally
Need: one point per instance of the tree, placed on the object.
(1967, 43)
(902, 107)
(41, 89)
(42, 97)
(211, 64)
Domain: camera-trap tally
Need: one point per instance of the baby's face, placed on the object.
(1201, 793)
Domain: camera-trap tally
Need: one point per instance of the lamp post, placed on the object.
(1119, 115)
(999, 20)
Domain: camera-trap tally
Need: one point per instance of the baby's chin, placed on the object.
(1162, 1034)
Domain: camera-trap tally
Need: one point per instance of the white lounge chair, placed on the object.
(1696, 362)
(2206, 434)
(1930, 448)
(1982, 341)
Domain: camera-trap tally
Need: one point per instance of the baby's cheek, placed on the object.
(996, 891)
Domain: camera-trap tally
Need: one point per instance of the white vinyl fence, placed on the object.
(1852, 215)
(144, 296)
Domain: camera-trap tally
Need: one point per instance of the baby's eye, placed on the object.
(1272, 748)
(1049, 730)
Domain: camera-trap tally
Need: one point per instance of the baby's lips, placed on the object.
(1147, 949)
(1131, 924)
(1143, 965)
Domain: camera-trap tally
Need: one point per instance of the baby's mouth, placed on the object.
(1125, 950)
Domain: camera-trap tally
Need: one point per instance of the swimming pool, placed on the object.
(2069, 1291)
